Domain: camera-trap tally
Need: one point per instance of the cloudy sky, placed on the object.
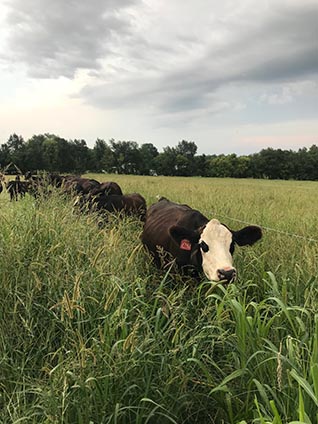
(235, 76)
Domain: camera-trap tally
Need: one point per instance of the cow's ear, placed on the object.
(247, 235)
(179, 233)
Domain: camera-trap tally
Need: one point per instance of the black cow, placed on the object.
(17, 188)
(193, 240)
(35, 179)
(2, 180)
(56, 180)
(38, 184)
(78, 185)
(128, 204)
(106, 188)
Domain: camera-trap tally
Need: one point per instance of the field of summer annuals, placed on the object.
(92, 332)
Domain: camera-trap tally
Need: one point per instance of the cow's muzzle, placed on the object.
(227, 274)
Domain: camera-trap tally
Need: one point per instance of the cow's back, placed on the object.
(110, 187)
(161, 216)
(129, 204)
(79, 185)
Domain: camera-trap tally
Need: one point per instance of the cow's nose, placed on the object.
(227, 274)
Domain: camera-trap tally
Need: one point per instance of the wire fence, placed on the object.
(275, 230)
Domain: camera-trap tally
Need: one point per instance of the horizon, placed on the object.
(161, 150)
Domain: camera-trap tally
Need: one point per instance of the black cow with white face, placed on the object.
(193, 240)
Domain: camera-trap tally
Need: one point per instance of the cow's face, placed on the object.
(216, 244)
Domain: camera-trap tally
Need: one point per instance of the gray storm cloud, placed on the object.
(279, 47)
(161, 63)
(56, 38)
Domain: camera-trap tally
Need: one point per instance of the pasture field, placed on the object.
(92, 332)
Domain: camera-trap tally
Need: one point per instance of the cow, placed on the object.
(2, 180)
(38, 184)
(177, 231)
(16, 188)
(56, 180)
(28, 175)
(78, 185)
(37, 180)
(106, 188)
(128, 204)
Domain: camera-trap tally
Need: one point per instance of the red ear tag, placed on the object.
(185, 244)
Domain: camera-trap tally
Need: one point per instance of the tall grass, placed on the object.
(91, 332)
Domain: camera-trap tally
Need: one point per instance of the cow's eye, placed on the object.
(204, 246)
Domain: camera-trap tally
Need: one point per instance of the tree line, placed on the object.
(51, 153)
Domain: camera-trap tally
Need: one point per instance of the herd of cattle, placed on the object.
(172, 232)
(90, 194)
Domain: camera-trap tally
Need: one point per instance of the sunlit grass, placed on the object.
(91, 332)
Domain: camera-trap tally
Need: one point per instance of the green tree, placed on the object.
(185, 153)
(222, 166)
(312, 163)
(187, 149)
(148, 153)
(34, 154)
(5, 157)
(102, 156)
(50, 154)
(15, 149)
(272, 164)
(126, 156)
(165, 162)
(184, 166)
(15, 143)
(80, 155)
(65, 159)
(201, 165)
(243, 167)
